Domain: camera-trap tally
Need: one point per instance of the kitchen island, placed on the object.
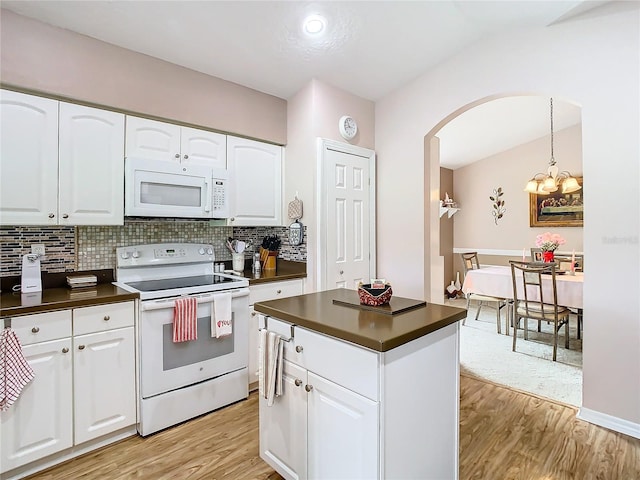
(367, 394)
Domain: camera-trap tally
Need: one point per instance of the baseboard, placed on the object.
(608, 421)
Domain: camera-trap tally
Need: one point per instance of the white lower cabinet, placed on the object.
(348, 412)
(83, 388)
(318, 428)
(104, 383)
(261, 293)
(40, 423)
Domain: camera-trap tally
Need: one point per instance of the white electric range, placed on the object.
(179, 381)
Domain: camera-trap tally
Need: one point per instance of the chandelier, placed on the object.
(546, 183)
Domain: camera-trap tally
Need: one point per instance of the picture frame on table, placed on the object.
(557, 209)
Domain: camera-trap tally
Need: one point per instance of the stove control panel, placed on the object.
(164, 254)
(170, 252)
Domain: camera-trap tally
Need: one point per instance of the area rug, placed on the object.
(487, 355)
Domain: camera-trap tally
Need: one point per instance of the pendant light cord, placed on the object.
(552, 162)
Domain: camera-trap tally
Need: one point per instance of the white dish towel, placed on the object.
(15, 371)
(221, 315)
(270, 365)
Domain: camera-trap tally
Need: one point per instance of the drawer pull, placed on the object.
(299, 348)
(107, 318)
(35, 329)
(308, 388)
(298, 382)
(81, 347)
(65, 350)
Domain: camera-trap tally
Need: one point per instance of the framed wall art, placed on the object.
(557, 209)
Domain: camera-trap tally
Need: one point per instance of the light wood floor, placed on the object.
(504, 435)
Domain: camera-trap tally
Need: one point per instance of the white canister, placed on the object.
(238, 262)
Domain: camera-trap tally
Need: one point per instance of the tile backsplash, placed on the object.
(79, 248)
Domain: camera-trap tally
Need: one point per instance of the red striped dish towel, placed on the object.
(185, 319)
(15, 372)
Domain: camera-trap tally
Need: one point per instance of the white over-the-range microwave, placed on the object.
(169, 189)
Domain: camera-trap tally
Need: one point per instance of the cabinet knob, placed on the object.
(341, 272)
(65, 350)
(65, 215)
(279, 292)
(186, 156)
(107, 318)
(298, 382)
(35, 329)
(51, 215)
(81, 347)
(299, 348)
(308, 388)
(177, 155)
(253, 314)
(232, 219)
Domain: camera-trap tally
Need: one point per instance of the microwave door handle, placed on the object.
(208, 195)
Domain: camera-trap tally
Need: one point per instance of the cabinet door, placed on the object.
(40, 422)
(255, 171)
(283, 431)
(28, 159)
(151, 139)
(342, 432)
(199, 147)
(91, 157)
(104, 383)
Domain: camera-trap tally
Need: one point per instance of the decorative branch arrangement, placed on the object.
(498, 204)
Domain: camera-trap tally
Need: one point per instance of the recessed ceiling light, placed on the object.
(314, 24)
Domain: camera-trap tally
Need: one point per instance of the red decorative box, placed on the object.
(374, 296)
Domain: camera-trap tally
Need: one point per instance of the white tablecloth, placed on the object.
(495, 281)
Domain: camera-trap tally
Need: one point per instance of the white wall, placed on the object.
(474, 226)
(314, 112)
(594, 62)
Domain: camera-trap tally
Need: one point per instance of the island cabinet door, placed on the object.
(283, 426)
(342, 439)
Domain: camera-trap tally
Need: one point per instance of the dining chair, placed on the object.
(530, 302)
(470, 262)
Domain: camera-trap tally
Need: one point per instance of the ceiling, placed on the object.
(370, 48)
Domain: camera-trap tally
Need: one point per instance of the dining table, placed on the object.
(495, 281)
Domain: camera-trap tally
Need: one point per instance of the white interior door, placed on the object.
(347, 220)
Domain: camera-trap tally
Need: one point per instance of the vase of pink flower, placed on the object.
(548, 242)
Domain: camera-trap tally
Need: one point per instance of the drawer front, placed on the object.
(100, 318)
(274, 290)
(42, 327)
(348, 365)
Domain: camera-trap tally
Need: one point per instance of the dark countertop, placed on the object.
(56, 295)
(285, 270)
(377, 331)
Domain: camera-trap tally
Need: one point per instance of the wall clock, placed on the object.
(348, 127)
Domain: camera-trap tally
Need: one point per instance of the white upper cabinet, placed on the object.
(91, 166)
(28, 159)
(60, 164)
(255, 173)
(169, 142)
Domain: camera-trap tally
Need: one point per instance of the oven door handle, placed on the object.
(170, 303)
